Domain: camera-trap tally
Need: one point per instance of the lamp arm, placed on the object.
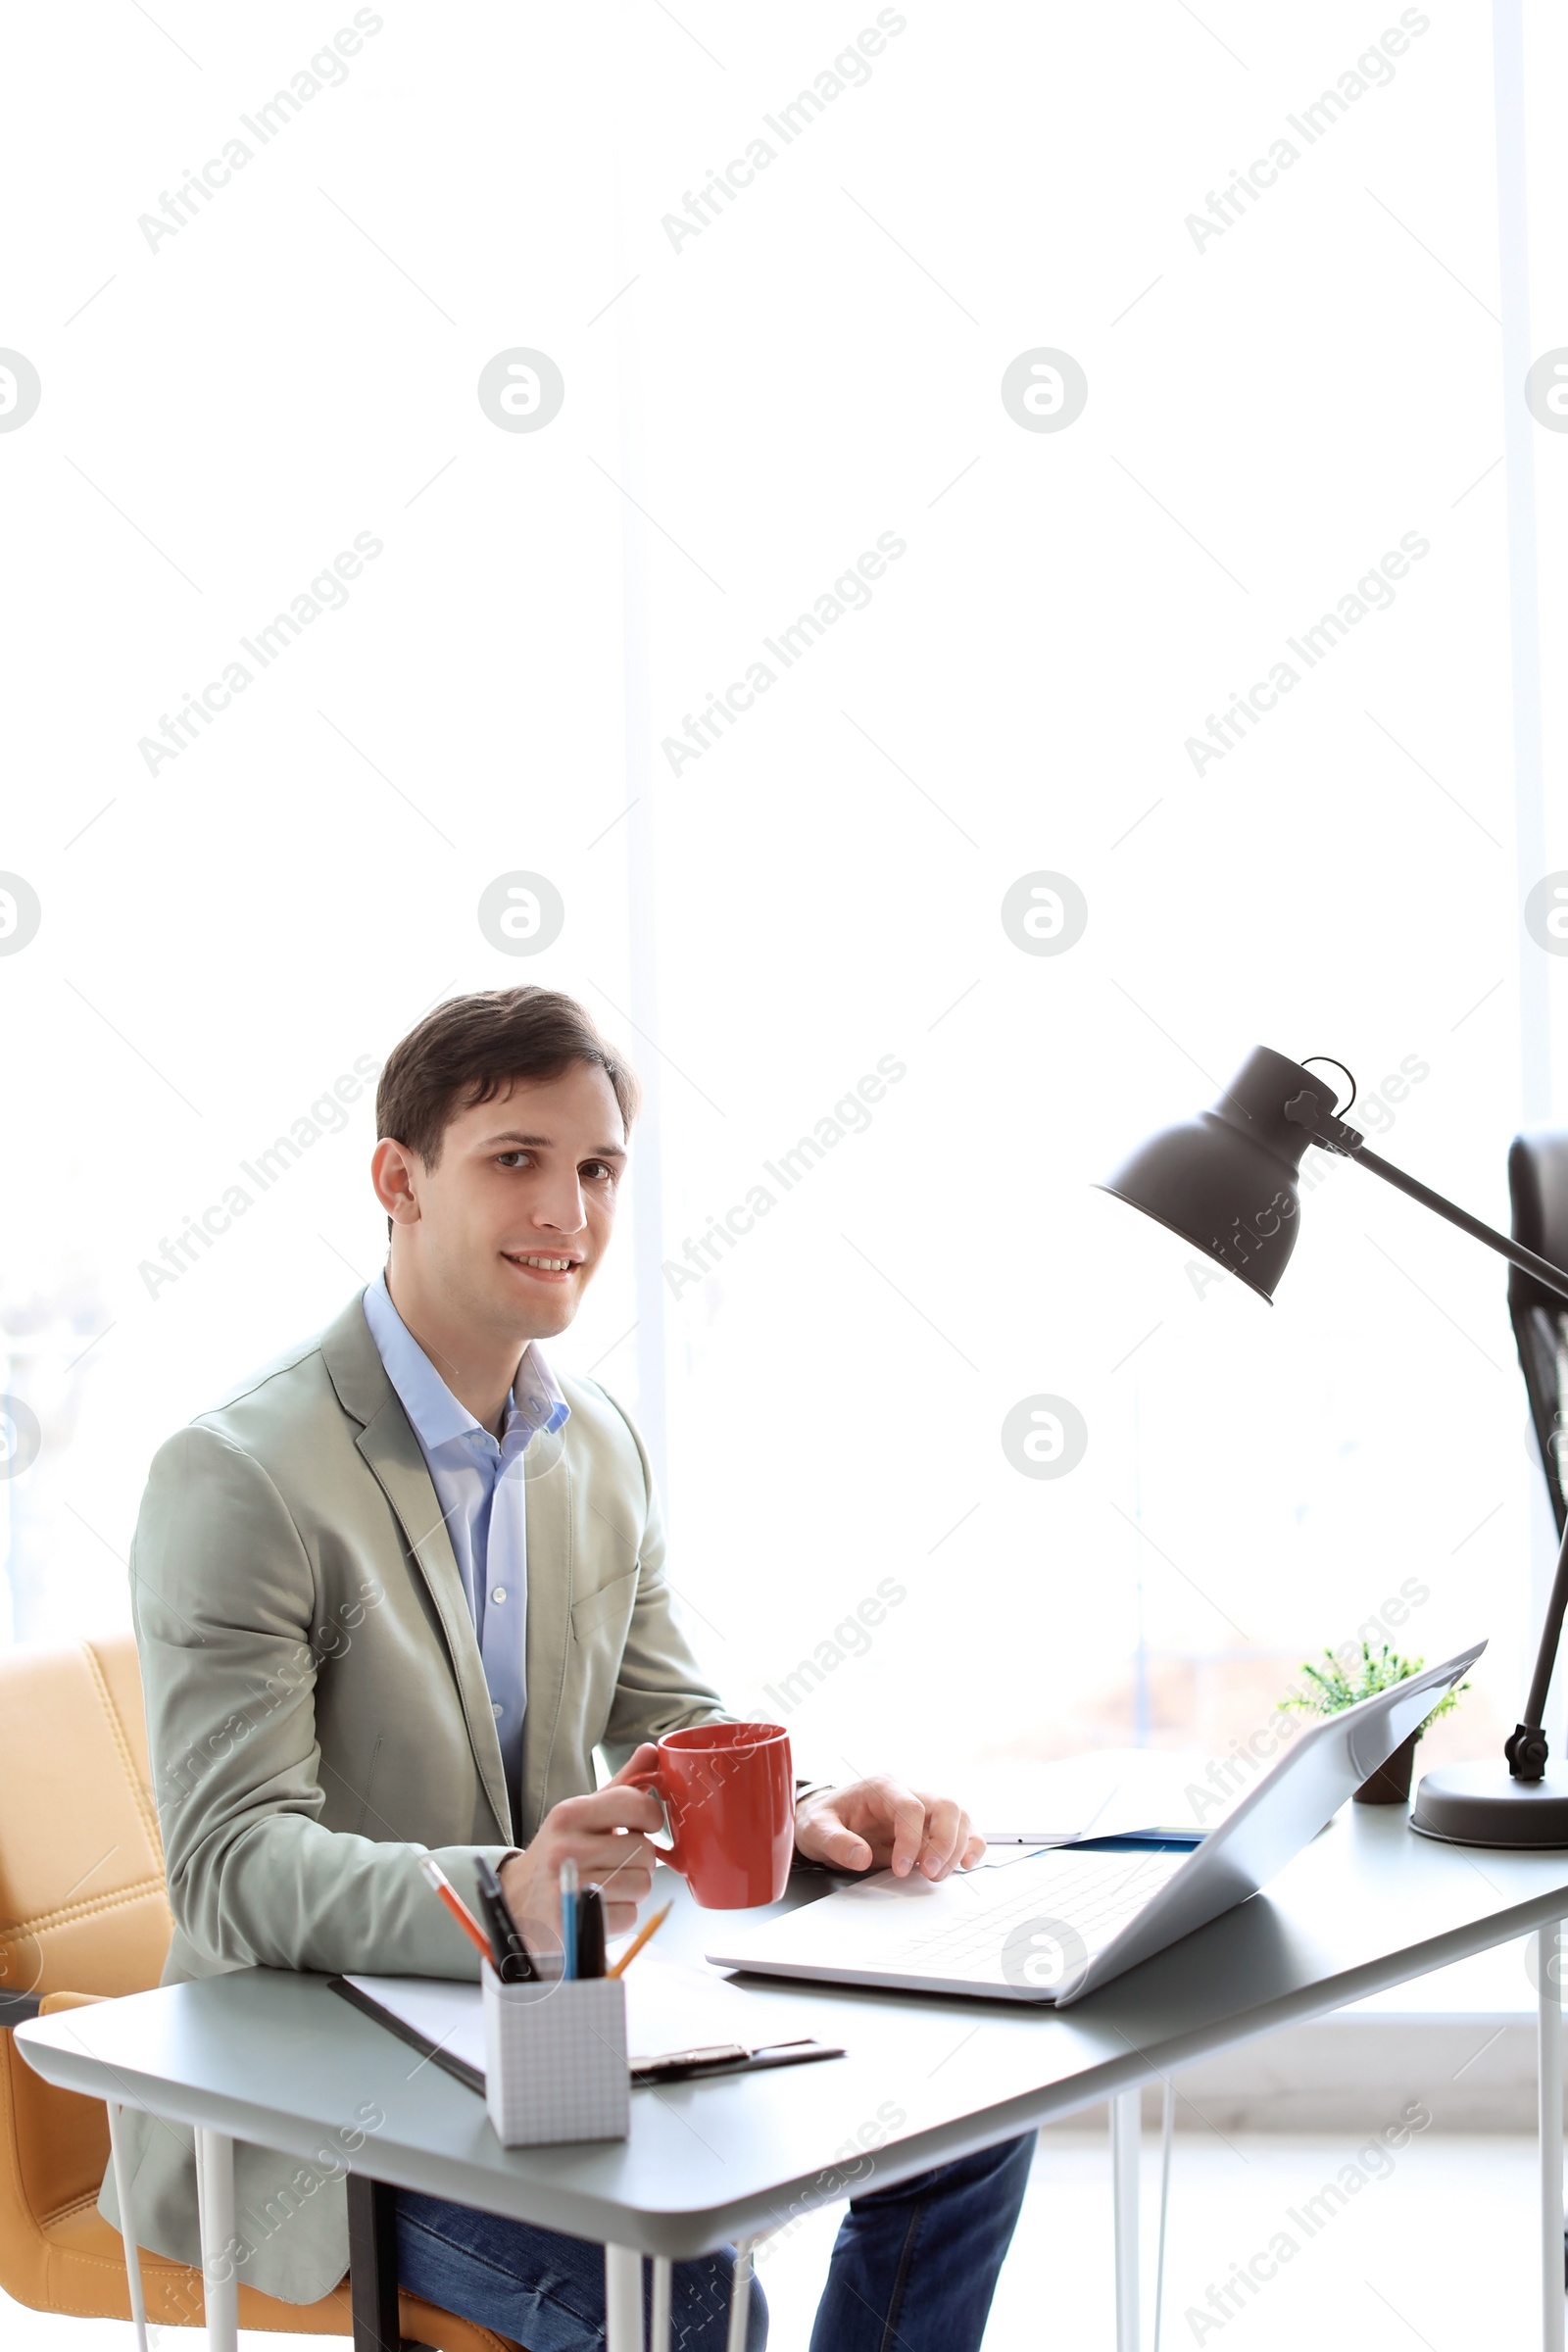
(1526, 1747)
(1550, 1277)
(1546, 1659)
(1331, 1134)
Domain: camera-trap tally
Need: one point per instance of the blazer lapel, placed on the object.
(547, 1470)
(391, 1449)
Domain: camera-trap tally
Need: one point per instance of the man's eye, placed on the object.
(510, 1159)
(598, 1167)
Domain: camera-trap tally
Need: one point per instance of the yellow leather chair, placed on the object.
(83, 1915)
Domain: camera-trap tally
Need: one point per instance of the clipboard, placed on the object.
(427, 2006)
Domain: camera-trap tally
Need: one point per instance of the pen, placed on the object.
(569, 1919)
(515, 1965)
(641, 1937)
(436, 1878)
(728, 2057)
(590, 1932)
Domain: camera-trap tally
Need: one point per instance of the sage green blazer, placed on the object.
(318, 1716)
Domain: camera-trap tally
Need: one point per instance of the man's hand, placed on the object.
(603, 1834)
(873, 1823)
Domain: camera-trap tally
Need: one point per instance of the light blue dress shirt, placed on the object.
(478, 1482)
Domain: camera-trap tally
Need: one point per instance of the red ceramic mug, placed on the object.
(729, 1793)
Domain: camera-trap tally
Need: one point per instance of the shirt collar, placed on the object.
(535, 1405)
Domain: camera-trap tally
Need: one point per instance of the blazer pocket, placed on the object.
(608, 1609)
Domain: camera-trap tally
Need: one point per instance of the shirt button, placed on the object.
(500, 1593)
(496, 1707)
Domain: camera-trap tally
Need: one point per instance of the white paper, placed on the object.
(674, 2006)
(444, 2010)
(1108, 1792)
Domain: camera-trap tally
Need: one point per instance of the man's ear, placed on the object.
(393, 1175)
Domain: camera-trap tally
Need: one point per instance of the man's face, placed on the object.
(512, 1221)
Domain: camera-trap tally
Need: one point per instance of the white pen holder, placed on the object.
(554, 2060)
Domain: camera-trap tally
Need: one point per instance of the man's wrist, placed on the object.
(806, 1790)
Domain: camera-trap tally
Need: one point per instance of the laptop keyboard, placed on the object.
(1037, 1921)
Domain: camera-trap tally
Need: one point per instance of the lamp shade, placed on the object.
(1226, 1181)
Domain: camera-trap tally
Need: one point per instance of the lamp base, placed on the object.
(1483, 1804)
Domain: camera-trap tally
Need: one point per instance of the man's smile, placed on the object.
(556, 1267)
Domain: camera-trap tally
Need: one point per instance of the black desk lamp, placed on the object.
(1226, 1182)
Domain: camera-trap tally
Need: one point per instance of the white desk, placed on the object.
(275, 2058)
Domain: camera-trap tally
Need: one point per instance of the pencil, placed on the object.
(642, 1936)
(437, 1879)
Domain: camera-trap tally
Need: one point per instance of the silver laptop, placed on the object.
(1051, 1923)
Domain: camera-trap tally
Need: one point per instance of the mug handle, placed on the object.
(655, 1787)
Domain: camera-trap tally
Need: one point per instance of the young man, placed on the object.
(389, 1597)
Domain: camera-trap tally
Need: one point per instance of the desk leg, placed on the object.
(623, 2299)
(1548, 2076)
(740, 2295)
(128, 2226)
(374, 2263)
(659, 2306)
(214, 2169)
(1126, 2135)
(1166, 2131)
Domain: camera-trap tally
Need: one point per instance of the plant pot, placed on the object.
(1390, 1784)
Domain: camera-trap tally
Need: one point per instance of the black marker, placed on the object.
(513, 1964)
(590, 1932)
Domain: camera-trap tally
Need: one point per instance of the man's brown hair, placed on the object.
(471, 1049)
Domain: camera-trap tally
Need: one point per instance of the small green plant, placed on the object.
(1334, 1686)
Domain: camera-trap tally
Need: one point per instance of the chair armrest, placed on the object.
(53, 2001)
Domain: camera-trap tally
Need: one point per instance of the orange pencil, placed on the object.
(639, 1940)
(443, 1887)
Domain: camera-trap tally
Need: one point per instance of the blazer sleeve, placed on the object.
(224, 1595)
(660, 1686)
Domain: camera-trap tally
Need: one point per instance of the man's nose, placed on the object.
(561, 1208)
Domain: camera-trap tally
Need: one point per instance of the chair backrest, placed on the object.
(1538, 1186)
(82, 1909)
(83, 1903)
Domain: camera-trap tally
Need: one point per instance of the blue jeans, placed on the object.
(914, 2270)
